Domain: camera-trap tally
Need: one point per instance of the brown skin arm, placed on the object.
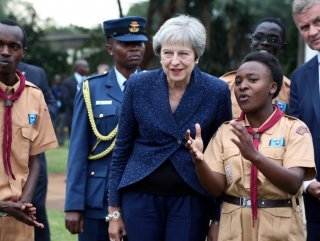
(74, 221)
(288, 180)
(213, 182)
(24, 212)
(30, 186)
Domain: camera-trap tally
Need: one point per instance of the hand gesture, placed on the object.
(195, 145)
(244, 141)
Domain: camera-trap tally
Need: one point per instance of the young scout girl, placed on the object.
(259, 161)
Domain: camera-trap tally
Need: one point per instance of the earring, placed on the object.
(197, 61)
(111, 54)
(160, 61)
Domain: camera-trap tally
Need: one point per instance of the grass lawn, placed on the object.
(57, 159)
(57, 228)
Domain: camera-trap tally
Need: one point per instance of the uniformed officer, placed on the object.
(96, 113)
(258, 162)
(25, 132)
(269, 36)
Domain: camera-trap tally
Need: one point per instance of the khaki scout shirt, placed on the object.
(28, 138)
(282, 99)
(289, 144)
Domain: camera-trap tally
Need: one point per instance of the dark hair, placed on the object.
(275, 21)
(272, 63)
(11, 22)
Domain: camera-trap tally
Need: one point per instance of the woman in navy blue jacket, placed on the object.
(154, 191)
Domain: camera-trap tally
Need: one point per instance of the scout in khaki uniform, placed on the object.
(26, 131)
(269, 36)
(259, 161)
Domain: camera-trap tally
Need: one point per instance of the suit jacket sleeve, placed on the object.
(78, 157)
(294, 100)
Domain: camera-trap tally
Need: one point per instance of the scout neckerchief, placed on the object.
(254, 172)
(7, 128)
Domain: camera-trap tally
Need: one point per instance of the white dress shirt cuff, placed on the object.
(306, 184)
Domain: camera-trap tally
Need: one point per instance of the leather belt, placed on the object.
(264, 203)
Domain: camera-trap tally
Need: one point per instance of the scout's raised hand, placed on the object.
(244, 141)
(195, 145)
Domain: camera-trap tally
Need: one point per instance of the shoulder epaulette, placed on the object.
(96, 76)
(228, 73)
(291, 117)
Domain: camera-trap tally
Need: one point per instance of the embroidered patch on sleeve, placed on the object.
(228, 174)
(302, 130)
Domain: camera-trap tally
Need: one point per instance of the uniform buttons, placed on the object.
(101, 115)
(92, 173)
(179, 142)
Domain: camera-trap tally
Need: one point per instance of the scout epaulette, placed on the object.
(100, 137)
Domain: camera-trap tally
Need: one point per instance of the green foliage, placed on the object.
(57, 227)
(139, 9)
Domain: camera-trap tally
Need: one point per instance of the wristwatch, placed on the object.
(115, 215)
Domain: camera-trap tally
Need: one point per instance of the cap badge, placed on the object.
(134, 27)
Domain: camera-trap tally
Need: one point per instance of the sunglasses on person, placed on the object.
(270, 39)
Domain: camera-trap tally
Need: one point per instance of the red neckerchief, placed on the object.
(7, 128)
(254, 172)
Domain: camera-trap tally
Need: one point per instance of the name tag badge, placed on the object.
(103, 102)
(277, 142)
(282, 105)
(32, 119)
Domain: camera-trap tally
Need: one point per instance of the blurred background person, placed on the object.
(102, 68)
(269, 35)
(69, 88)
(59, 123)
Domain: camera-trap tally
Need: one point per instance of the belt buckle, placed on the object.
(243, 202)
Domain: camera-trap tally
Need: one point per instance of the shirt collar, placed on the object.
(269, 131)
(318, 55)
(79, 77)
(120, 78)
(15, 86)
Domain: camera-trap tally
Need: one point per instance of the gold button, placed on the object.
(101, 115)
(92, 173)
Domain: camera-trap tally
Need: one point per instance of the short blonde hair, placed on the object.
(185, 30)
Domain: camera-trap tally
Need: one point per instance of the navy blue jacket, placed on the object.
(86, 188)
(149, 133)
(305, 105)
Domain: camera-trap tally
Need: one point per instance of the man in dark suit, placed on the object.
(70, 86)
(305, 102)
(37, 76)
(96, 114)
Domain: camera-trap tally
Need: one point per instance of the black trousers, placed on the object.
(39, 201)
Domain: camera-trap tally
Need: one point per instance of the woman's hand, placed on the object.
(195, 145)
(244, 141)
(116, 226)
